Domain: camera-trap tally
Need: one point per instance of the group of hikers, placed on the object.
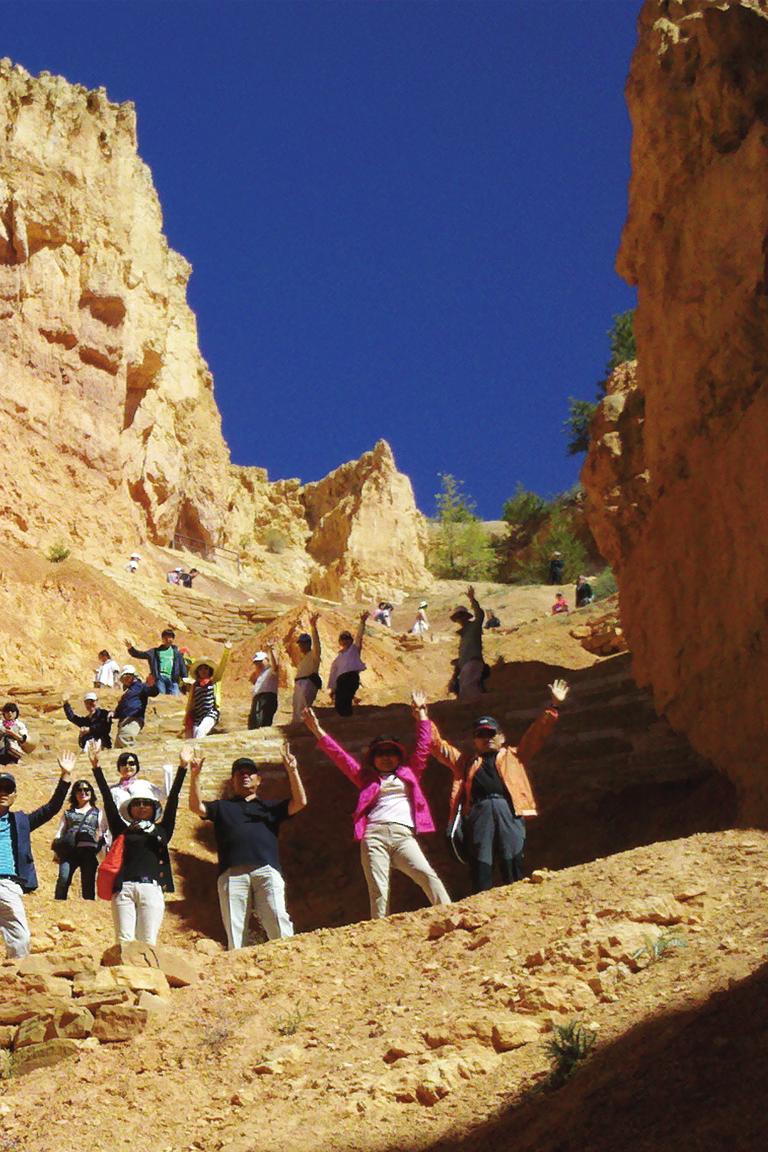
(133, 826)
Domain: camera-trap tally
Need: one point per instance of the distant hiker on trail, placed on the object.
(133, 563)
(470, 667)
(584, 593)
(246, 830)
(556, 568)
(391, 810)
(420, 626)
(107, 675)
(204, 697)
(383, 614)
(491, 620)
(78, 840)
(491, 784)
(560, 605)
(166, 663)
(186, 578)
(95, 725)
(13, 735)
(307, 680)
(17, 867)
(344, 677)
(264, 681)
(142, 831)
(174, 576)
(131, 708)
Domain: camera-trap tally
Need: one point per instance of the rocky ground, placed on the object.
(428, 1030)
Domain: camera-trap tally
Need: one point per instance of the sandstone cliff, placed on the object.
(676, 473)
(105, 400)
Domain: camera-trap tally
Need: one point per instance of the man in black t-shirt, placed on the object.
(246, 830)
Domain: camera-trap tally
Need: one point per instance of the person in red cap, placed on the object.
(491, 784)
(469, 664)
(391, 810)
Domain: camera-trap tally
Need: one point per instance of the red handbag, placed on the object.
(109, 868)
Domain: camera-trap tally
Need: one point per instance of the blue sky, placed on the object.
(402, 216)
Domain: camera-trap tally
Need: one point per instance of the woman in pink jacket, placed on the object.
(391, 810)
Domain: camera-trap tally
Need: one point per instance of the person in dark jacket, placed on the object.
(584, 593)
(95, 725)
(78, 840)
(556, 568)
(138, 905)
(132, 706)
(166, 663)
(17, 866)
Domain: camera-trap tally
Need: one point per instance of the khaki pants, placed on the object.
(388, 846)
(127, 733)
(304, 692)
(13, 919)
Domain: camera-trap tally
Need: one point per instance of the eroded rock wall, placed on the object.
(107, 411)
(676, 476)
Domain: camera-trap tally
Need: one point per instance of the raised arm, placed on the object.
(195, 799)
(442, 750)
(342, 759)
(115, 822)
(418, 761)
(535, 737)
(477, 610)
(137, 655)
(81, 721)
(274, 659)
(47, 811)
(222, 664)
(313, 619)
(168, 822)
(298, 795)
(360, 634)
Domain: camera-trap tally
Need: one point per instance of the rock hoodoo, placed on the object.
(105, 399)
(676, 472)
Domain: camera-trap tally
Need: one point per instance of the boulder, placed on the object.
(43, 1055)
(118, 1023)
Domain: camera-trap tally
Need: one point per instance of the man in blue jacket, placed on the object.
(132, 706)
(166, 663)
(17, 867)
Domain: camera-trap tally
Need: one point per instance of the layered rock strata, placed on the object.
(676, 473)
(105, 400)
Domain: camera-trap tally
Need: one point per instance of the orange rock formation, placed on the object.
(676, 475)
(104, 396)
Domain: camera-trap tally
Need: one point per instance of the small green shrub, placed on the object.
(289, 1024)
(656, 948)
(57, 552)
(604, 585)
(526, 509)
(568, 1046)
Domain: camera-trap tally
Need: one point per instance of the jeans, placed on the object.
(242, 890)
(86, 859)
(388, 846)
(263, 708)
(167, 686)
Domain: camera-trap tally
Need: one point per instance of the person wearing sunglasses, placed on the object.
(78, 840)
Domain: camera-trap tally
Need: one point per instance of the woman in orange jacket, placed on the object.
(491, 784)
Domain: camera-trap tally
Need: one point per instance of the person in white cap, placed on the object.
(264, 679)
(174, 577)
(132, 706)
(138, 905)
(95, 725)
(133, 562)
(421, 624)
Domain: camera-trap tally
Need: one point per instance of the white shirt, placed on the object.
(107, 674)
(267, 682)
(347, 661)
(393, 805)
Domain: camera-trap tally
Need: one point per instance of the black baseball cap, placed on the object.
(245, 764)
(7, 782)
(487, 724)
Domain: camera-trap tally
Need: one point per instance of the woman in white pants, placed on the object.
(138, 904)
(391, 809)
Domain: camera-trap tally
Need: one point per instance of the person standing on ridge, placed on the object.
(131, 708)
(391, 810)
(17, 866)
(469, 664)
(265, 685)
(246, 830)
(344, 677)
(490, 782)
(307, 682)
(166, 663)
